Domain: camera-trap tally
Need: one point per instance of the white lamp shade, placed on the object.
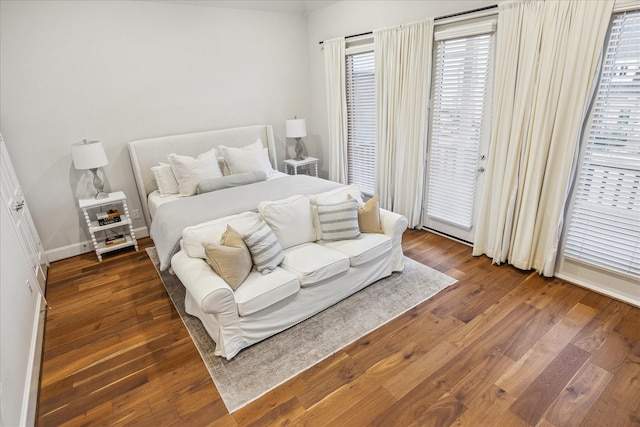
(296, 128)
(88, 155)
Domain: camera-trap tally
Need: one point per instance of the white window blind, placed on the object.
(361, 120)
(460, 81)
(605, 221)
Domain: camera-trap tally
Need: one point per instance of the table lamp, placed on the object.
(90, 155)
(296, 128)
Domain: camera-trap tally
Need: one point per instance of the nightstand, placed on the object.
(292, 165)
(112, 224)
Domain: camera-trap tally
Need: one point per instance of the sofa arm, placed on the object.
(212, 293)
(393, 225)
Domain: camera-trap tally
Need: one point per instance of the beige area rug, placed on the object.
(267, 364)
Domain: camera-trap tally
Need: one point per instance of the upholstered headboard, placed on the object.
(146, 153)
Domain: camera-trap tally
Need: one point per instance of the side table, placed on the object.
(291, 165)
(116, 200)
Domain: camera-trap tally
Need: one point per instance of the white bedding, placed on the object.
(155, 199)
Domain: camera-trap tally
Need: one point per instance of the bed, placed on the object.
(167, 215)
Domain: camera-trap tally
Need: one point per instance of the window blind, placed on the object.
(605, 221)
(361, 120)
(461, 73)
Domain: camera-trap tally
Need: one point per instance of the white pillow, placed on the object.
(290, 219)
(165, 179)
(189, 171)
(249, 158)
(211, 231)
(339, 195)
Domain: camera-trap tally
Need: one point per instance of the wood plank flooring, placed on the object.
(502, 347)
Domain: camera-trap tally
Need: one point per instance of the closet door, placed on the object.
(13, 199)
(22, 303)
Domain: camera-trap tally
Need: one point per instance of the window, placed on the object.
(361, 120)
(604, 229)
(460, 131)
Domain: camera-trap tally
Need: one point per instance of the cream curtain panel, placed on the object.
(546, 59)
(334, 71)
(403, 74)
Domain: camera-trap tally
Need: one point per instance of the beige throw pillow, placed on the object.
(230, 259)
(369, 216)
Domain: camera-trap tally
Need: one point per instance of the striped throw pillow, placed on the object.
(339, 221)
(265, 249)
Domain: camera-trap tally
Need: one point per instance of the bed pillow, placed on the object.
(290, 219)
(189, 171)
(369, 216)
(247, 159)
(212, 184)
(230, 259)
(265, 249)
(165, 179)
(338, 221)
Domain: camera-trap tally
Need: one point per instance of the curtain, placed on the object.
(403, 73)
(334, 71)
(546, 59)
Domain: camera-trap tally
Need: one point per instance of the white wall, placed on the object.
(354, 17)
(117, 71)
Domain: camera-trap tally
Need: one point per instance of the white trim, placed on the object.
(354, 50)
(625, 5)
(487, 26)
(30, 398)
(69, 251)
(613, 293)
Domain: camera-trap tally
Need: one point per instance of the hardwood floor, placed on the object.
(502, 347)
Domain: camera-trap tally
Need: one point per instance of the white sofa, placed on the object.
(313, 276)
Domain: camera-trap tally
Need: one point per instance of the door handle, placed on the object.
(17, 206)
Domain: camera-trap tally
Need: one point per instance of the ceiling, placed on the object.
(294, 6)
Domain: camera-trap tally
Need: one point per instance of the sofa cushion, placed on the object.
(290, 219)
(369, 216)
(365, 248)
(338, 195)
(313, 263)
(260, 291)
(230, 259)
(265, 249)
(211, 231)
(338, 221)
(332, 196)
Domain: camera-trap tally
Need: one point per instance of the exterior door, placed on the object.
(460, 129)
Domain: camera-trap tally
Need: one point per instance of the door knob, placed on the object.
(17, 206)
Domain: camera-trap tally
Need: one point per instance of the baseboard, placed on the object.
(83, 247)
(601, 290)
(33, 377)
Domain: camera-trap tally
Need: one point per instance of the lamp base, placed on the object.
(98, 185)
(299, 150)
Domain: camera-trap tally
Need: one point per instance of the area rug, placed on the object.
(267, 364)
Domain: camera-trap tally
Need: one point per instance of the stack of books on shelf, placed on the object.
(108, 217)
(115, 240)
